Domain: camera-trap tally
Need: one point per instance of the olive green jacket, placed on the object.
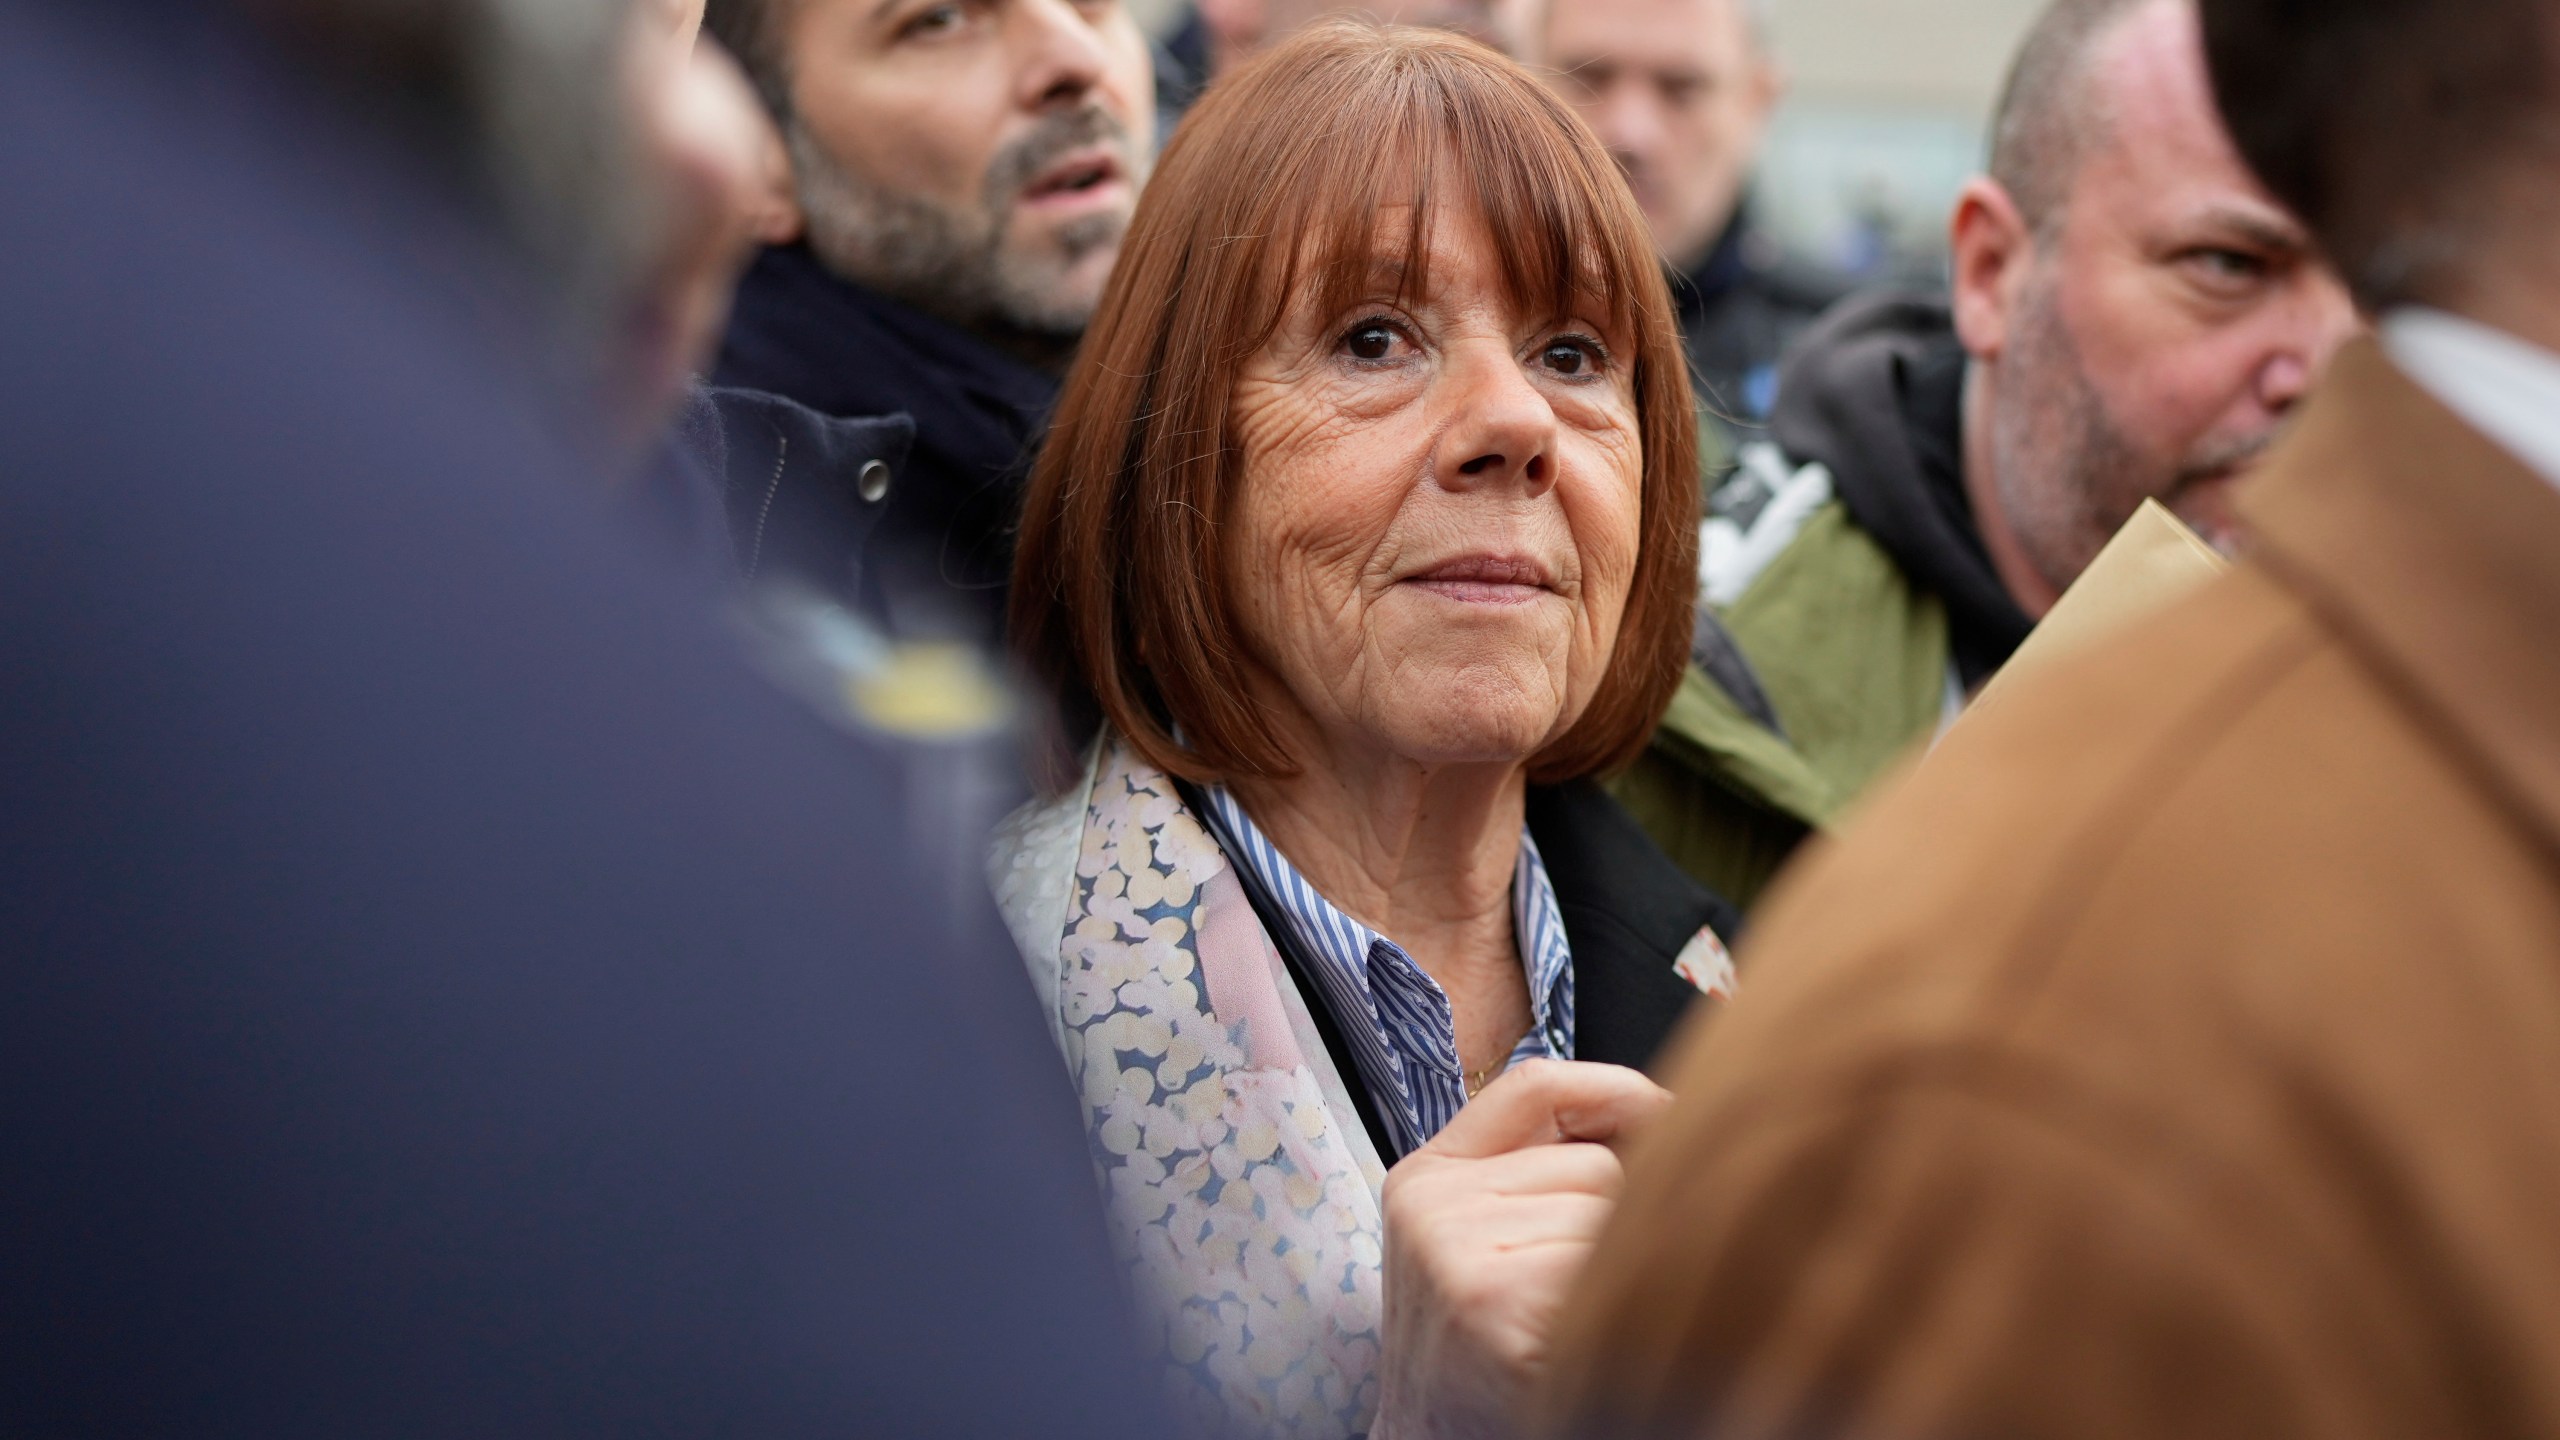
(1851, 662)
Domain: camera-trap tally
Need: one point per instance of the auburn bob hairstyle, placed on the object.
(1276, 182)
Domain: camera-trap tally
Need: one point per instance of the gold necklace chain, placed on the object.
(1476, 1080)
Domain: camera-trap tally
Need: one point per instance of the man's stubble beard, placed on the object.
(2067, 474)
(953, 261)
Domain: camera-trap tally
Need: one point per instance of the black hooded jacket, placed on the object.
(1875, 393)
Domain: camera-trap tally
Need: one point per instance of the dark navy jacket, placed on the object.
(753, 489)
(942, 552)
(444, 992)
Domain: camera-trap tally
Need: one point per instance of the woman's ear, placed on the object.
(1993, 248)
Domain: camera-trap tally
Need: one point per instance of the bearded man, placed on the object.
(2178, 1053)
(2133, 316)
(956, 182)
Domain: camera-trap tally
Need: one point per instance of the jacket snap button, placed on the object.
(872, 484)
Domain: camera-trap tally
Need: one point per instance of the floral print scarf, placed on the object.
(1241, 1189)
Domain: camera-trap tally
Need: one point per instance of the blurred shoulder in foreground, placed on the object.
(2178, 1051)
(446, 991)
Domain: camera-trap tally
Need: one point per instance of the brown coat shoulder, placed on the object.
(2176, 1052)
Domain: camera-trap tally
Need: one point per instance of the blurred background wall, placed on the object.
(1884, 119)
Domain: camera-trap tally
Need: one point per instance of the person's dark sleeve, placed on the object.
(443, 993)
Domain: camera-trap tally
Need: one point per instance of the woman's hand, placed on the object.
(1487, 1227)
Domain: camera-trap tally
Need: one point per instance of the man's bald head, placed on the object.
(2050, 117)
(2141, 313)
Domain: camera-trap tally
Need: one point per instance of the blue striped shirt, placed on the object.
(1393, 1016)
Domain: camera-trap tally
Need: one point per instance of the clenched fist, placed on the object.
(1487, 1228)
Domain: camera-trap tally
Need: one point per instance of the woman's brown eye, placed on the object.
(1370, 342)
(1567, 358)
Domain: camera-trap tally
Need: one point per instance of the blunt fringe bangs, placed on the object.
(1272, 193)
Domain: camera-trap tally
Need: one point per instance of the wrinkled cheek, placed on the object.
(1300, 619)
(1580, 678)
(1303, 562)
(1607, 587)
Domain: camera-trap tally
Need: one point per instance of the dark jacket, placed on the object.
(442, 991)
(1628, 913)
(1738, 310)
(751, 489)
(769, 507)
(1182, 69)
(1877, 397)
(1849, 599)
(941, 551)
(760, 489)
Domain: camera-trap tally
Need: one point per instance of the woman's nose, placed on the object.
(1500, 431)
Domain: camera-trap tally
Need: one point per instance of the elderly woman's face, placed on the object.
(1437, 518)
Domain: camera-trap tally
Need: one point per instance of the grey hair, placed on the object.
(559, 141)
(2048, 119)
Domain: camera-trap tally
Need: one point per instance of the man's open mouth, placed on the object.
(1076, 175)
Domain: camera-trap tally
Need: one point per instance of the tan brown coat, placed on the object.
(2177, 1053)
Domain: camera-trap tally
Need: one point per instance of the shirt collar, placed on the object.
(1537, 925)
(1343, 950)
(1320, 927)
(2507, 389)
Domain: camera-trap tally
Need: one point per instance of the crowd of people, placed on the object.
(818, 717)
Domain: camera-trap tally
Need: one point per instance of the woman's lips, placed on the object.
(1486, 579)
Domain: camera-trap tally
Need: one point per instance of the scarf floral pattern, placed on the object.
(1242, 1193)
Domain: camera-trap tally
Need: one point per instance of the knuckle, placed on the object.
(1418, 1216)
(1545, 1074)
(1604, 1166)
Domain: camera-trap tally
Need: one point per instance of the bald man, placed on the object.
(2179, 1053)
(2132, 317)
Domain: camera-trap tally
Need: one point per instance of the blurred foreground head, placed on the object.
(706, 149)
(2417, 141)
(322, 1117)
(2085, 1087)
(977, 159)
(2141, 312)
(618, 156)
